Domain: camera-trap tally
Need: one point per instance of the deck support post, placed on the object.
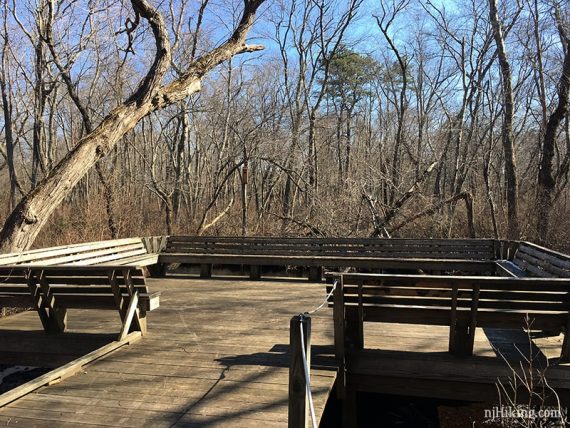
(255, 272)
(349, 409)
(354, 334)
(158, 270)
(315, 273)
(459, 343)
(462, 329)
(498, 249)
(565, 351)
(205, 270)
(298, 401)
(339, 336)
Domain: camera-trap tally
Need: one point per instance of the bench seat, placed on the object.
(85, 299)
(315, 253)
(509, 268)
(538, 261)
(142, 260)
(472, 249)
(52, 290)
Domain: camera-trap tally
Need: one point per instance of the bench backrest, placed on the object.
(439, 300)
(72, 287)
(538, 261)
(78, 254)
(475, 249)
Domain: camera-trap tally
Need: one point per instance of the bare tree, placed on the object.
(507, 127)
(7, 108)
(384, 22)
(290, 142)
(546, 178)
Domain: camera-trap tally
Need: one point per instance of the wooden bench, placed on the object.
(462, 303)
(536, 261)
(116, 252)
(52, 290)
(315, 253)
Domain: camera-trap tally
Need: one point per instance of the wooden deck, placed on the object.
(413, 360)
(216, 355)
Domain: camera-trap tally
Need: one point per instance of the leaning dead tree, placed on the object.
(465, 196)
(30, 215)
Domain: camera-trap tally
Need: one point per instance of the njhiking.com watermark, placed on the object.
(506, 414)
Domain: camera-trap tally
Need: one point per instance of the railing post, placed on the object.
(255, 272)
(315, 273)
(298, 401)
(206, 270)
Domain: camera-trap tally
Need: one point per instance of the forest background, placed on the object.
(408, 118)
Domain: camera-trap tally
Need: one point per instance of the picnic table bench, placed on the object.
(52, 290)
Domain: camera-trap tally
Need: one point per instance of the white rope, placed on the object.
(318, 308)
(307, 378)
(304, 354)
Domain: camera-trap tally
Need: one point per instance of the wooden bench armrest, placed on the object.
(510, 269)
(149, 301)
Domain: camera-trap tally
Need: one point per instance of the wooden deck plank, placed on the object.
(30, 422)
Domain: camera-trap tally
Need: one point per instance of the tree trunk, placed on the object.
(39, 164)
(546, 181)
(507, 127)
(8, 131)
(180, 154)
(466, 196)
(313, 160)
(244, 179)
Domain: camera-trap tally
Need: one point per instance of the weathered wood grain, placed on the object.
(113, 252)
(66, 370)
(316, 253)
(538, 261)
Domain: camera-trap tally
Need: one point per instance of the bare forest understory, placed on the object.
(341, 213)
